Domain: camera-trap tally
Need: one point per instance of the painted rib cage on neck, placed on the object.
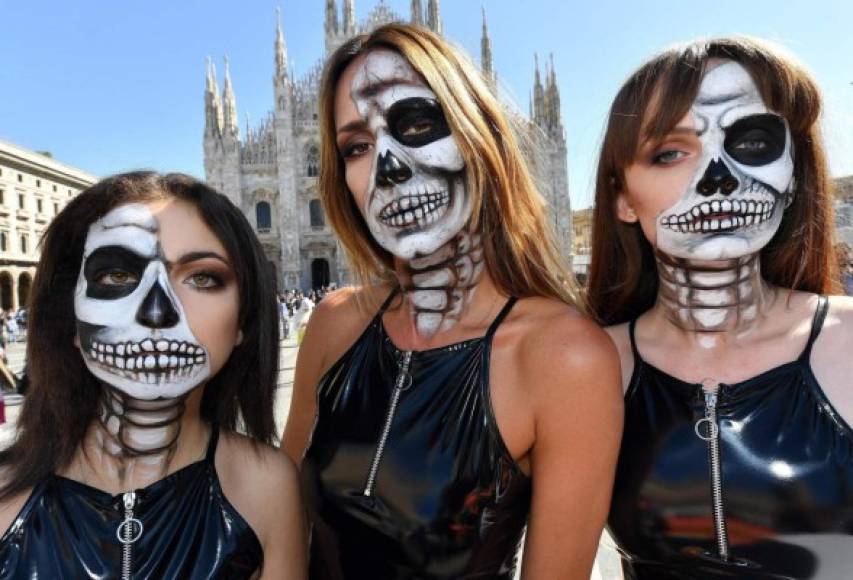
(136, 428)
(709, 297)
(442, 284)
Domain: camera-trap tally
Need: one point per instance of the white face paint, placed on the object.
(735, 201)
(416, 199)
(133, 331)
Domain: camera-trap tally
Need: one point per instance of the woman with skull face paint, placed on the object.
(152, 332)
(476, 395)
(712, 256)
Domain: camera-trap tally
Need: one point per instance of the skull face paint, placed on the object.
(133, 331)
(734, 202)
(416, 199)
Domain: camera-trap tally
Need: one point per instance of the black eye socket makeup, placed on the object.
(756, 140)
(417, 121)
(110, 259)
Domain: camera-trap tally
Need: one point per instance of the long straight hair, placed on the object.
(518, 241)
(62, 399)
(623, 280)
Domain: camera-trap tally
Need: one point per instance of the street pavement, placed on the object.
(607, 564)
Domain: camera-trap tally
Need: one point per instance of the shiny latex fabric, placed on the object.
(449, 501)
(67, 529)
(787, 478)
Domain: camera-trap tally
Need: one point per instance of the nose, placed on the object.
(717, 178)
(391, 171)
(157, 310)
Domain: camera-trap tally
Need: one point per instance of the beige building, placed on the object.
(844, 210)
(581, 242)
(33, 188)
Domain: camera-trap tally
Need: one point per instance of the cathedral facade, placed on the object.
(270, 172)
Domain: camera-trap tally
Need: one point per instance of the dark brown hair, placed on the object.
(62, 399)
(623, 275)
(518, 241)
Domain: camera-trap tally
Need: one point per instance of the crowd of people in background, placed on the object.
(294, 308)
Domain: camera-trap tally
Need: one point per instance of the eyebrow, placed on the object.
(719, 99)
(376, 87)
(200, 255)
(151, 229)
(352, 126)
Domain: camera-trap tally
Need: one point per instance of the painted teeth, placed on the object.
(744, 213)
(161, 357)
(421, 209)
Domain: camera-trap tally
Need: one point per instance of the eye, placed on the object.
(417, 121)
(667, 156)
(417, 128)
(204, 281)
(757, 139)
(116, 278)
(356, 149)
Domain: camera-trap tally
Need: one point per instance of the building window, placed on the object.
(54, 188)
(2, 197)
(316, 212)
(70, 193)
(55, 208)
(21, 201)
(25, 244)
(312, 162)
(20, 178)
(263, 216)
(38, 182)
(4, 241)
(39, 205)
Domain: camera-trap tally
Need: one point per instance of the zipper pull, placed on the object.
(130, 529)
(710, 390)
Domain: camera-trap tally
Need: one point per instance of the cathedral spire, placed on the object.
(331, 17)
(556, 120)
(486, 54)
(229, 117)
(417, 13)
(212, 104)
(349, 17)
(434, 17)
(280, 48)
(538, 94)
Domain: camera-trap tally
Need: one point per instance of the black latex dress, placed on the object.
(447, 502)
(786, 467)
(67, 529)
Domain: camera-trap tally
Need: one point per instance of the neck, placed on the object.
(439, 287)
(135, 440)
(712, 297)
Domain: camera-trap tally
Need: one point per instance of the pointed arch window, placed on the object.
(312, 162)
(316, 213)
(263, 216)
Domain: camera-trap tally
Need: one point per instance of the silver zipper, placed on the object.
(128, 532)
(399, 386)
(710, 390)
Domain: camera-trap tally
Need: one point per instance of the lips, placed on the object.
(150, 361)
(415, 210)
(720, 216)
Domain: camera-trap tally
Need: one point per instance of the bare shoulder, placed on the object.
(261, 482)
(836, 336)
(10, 508)
(562, 347)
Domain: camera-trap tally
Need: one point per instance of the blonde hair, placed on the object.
(518, 242)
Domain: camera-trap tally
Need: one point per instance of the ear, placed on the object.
(624, 210)
(239, 338)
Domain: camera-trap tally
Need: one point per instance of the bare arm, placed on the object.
(334, 325)
(577, 406)
(284, 542)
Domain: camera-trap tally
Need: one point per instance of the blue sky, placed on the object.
(110, 86)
